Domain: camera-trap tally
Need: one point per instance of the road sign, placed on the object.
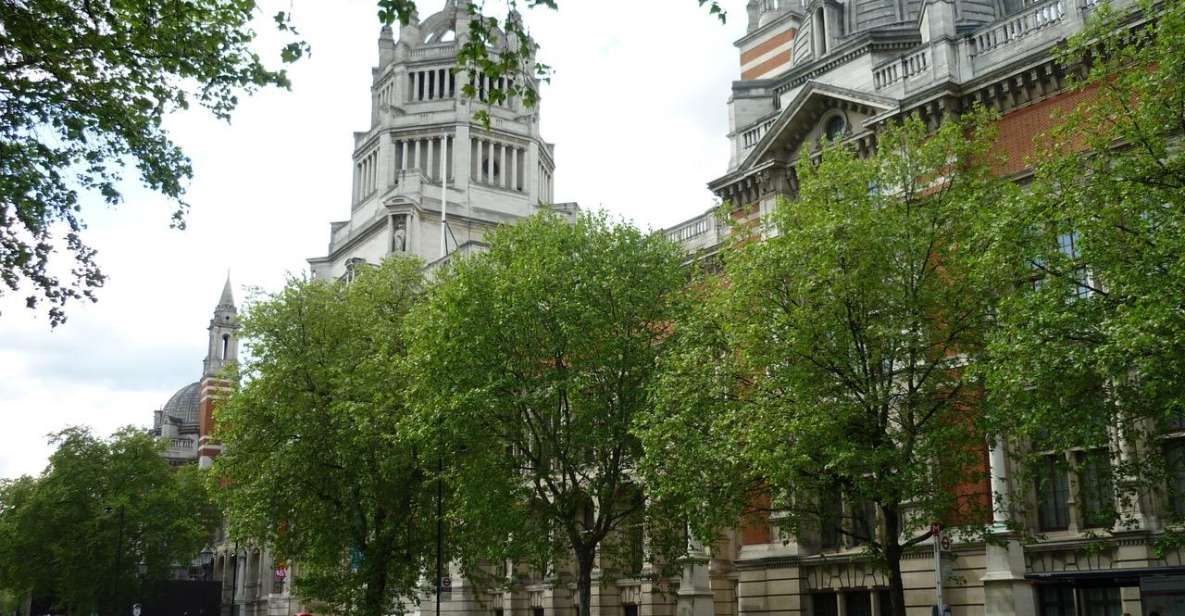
(946, 543)
(446, 584)
(935, 529)
(281, 573)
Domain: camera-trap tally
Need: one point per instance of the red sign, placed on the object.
(936, 529)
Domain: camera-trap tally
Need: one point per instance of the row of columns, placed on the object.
(246, 582)
(544, 176)
(424, 155)
(497, 164)
(440, 83)
(490, 162)
(365, 175)
(431, 84)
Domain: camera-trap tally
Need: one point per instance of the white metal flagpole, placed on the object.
(444, 196)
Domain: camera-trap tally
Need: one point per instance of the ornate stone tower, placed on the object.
(223, 350)
(423, 150)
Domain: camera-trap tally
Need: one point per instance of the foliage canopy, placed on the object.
(106, 517)
(318, 464)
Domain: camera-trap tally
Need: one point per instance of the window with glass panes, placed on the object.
(858, 603)
(824, 604)
(1104, 601)
(830, 518)
(1094, 475)
(1053, 495)
(1174, 457)
(1055, 600)
(863, 521)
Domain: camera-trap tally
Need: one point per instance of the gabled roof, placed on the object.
(801, 115)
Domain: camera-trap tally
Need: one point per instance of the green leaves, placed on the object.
(1093, 329)
(828, 356)
(85, 86)
(319, 461)
(531, 363)
(103, 514)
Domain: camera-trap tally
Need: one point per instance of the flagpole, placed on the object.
(444, 196)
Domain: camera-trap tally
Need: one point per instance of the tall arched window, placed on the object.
(225, 346)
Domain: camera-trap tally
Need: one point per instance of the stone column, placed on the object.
(462, 152)
(503, 167)
(694, 597)
(531, 172)
(514, 168)
(1004, 586)
(428, 162)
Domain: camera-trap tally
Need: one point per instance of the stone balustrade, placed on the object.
(908, 65)
(1002, 34)
(751, 136)
(424, 52)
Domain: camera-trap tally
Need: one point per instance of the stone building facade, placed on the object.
(838, 69)
(423, 159)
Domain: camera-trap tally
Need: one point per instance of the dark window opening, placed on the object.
(1055, 600)
(1053, 492)
(1174, 458)
(825, 604)
(836, 128)
(1104, 601)
(859, 603)
(1098, 509)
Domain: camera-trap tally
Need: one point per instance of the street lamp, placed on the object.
(206, 562)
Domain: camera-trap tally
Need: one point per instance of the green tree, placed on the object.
(318, 465)
(820, 374)
(531, 362)
(1096, 328)
(84, 88)
(105, 518)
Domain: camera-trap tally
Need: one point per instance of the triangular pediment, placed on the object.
(804, 120)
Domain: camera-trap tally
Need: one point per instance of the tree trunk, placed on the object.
(893, 561)
(585, 558)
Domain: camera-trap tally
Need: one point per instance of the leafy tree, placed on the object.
(318, 463)
(820, 374)
(84, 87)
(105, 518)
(531, 362)
(1095, 331)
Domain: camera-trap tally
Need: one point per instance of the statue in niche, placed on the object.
(399, 233)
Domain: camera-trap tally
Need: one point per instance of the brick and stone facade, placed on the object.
(853, 66)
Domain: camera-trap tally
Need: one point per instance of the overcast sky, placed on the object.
(636, 109)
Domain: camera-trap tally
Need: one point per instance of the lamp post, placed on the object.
(206, 562)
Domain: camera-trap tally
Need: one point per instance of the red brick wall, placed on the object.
(755, 528)
(1022, 130)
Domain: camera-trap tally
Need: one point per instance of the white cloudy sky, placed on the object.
(636, 109)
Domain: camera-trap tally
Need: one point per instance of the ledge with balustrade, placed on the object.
(441, 50)
(750, 136)
(908, 66)
(992, 45)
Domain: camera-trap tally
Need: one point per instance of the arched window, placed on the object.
(225, 346)
(836, 127)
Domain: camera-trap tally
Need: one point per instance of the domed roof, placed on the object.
(183, 406)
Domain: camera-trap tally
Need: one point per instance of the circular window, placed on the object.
(835, 128)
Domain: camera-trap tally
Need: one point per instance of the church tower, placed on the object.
(222, 351)
(424, 158)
